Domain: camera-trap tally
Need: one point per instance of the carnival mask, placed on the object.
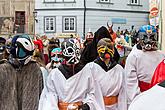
(148, 38)
(22, 48)
(71, 51)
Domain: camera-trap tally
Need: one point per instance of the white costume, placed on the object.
(44, 75)
(55, 65)
(140, 67)
(111, 83)
(152, 99)
(78, 88)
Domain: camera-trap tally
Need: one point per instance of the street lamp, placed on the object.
(35, 20)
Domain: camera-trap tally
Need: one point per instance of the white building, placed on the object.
(78, 16)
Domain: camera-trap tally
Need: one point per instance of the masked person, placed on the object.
(20, 77)
(141, 62)
(152, 99)
(55, 59)
(89, 53)
(109, 75)
(122, 48)
(70, 86)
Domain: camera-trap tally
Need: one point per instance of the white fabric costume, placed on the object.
(111, 84)
(152, 99)
(55, 65)
(140, 66)
(79, 87)
(44, 75)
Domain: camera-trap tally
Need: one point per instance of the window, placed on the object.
(69, 0)
(49, 0)
(134, 1)
(59, 0)
(69, 24)
(20, 17)
(105, 1)
(49, 24)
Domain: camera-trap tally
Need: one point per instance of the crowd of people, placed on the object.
(111, 71)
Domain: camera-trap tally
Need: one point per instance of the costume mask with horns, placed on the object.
(147, 38)
(112, 33)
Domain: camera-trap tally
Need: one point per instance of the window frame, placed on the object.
(62, 1)
(109, 1)
(105, 2)
(133, 3)
(45, 1)
(63, 24)
(54, 24)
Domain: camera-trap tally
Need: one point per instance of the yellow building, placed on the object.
(16, 16)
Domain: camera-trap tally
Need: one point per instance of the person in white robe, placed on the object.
(141, 62)
(153, 99)
(110, 76)
(71, 86)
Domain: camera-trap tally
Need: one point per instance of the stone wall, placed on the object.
(8, 9)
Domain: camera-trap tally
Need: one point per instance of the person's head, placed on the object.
(147, 36)
(44, 37)
(37, 50)
(89, 36)
(121, 33)
(132, 27)
(56, 55)
(38, 45)
(2, 44)
(71, 36)
(105, 49)
(102, 32)
(57, 41)
(22, 48)
(36, 36)
(71, 51)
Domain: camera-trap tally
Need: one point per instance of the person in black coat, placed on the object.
(89, 53)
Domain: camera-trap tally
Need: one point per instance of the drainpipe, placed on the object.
(160, 24)
(84, 18)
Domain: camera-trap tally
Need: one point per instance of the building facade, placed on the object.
(80, 16)
(16, 16)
